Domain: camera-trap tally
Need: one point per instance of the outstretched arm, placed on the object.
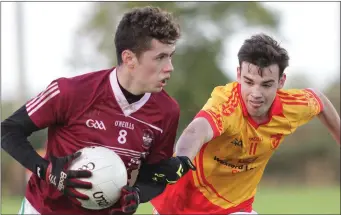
(208, 124)
(329, 117)
(169, 171)
(198, 132)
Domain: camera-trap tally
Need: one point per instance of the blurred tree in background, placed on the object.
(204, 28)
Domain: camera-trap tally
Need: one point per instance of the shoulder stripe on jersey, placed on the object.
(43, 102)
(292, 98)
(287, 94)
(295, 99)
(311, 92)
(53, 87)
(229, 106)
(42, 98)
(295, 103)
(41, 94)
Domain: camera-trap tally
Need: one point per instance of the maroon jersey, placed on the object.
(91, 110)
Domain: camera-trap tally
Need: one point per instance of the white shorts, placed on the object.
(252, 212)
(27, 208)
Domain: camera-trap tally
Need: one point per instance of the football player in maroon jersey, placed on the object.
(123, 108)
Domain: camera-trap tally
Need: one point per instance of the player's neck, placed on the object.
(127, 81)
(261, 119)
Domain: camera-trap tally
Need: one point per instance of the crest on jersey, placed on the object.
(147, 138)
(275, 140)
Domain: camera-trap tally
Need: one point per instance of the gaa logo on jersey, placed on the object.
(147, 138)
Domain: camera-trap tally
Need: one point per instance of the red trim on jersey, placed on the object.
(214, 127)
(201, 167)
(292, 98)
(276, 109)
(197, 174)
(231, 103)
(317, 98)
(184, 197)
(210, 208)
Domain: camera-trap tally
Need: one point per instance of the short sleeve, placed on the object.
(313, 108)
(52, 105)
(301, 104)
(218, 108)
(164, 148)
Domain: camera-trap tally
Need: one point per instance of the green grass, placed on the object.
(298, 200)
(285, 200)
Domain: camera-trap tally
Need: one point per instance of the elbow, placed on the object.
(5, 133)
(9, 129)
(5, 127)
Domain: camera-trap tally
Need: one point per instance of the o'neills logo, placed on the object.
(256, 139)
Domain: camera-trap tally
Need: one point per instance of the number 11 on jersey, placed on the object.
(253, 148)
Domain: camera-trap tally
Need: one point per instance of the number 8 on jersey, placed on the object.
(122, 136)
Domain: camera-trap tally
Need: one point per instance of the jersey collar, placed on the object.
(126, 108)
(276, 109)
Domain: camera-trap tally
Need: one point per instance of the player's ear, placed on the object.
(238, 74)
(129, 58)
(282, 81)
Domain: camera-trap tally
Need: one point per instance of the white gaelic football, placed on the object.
(109, 175)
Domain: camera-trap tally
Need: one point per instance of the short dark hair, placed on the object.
(139, 26)
(263, 51)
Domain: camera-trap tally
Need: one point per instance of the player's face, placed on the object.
(154, 66)
(259, 92)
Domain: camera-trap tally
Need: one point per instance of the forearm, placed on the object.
(148, 189)
(192, 139)
(14, 133)
(330, 118)
(22, 151)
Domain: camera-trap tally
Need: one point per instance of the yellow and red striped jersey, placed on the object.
(230, 166)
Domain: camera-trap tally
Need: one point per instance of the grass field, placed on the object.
(286, 200)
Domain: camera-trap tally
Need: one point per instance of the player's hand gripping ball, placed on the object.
(109, 176)
(66, 181)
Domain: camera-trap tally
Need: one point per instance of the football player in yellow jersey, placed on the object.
(232, 138)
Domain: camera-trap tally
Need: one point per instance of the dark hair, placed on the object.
(139, 26)
(263, 51)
